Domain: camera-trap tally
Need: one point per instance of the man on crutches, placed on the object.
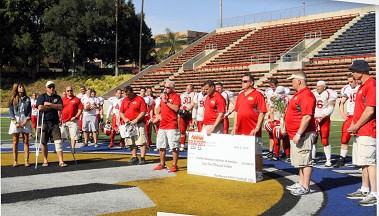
(72, 109)
(50, 103)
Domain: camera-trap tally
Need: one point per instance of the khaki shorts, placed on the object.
(218, 130)
(364, 151)
(301, 153)
(141, 139)
(169, 137)
(50, 132)
(70, 130)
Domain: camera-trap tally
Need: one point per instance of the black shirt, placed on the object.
(51, 116)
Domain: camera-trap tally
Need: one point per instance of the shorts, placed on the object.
(364, 151)
(34, 121)
(27, 129)
(90, 123)
(301, 153)
(218, 130)
(141, 138)
(168, 137)
(51, 132)
(71, 130)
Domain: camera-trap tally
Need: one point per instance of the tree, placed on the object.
(170, 42)
(80, 28)
(21, 27)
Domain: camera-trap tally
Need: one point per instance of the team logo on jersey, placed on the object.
(360, 92)
(170, 100)
(250, 98)
(213, 102)
(55, 100)
(295, 98)
(134, 102)
(73, 101)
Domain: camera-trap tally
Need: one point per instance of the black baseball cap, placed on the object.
(359, 66)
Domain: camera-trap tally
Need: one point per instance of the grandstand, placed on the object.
(322, 45)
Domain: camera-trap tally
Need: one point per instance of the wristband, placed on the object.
(299, 134)
(166, 102)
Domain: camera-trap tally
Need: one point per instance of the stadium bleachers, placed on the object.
(357, 40)
(275, 40)
(265, 44)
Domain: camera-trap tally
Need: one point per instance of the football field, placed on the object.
(103, 183)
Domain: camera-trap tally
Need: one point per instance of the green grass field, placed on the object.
(335, 135)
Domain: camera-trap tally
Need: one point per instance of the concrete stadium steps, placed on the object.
(333, 71)
(281, 38)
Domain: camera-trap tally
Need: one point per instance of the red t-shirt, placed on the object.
(212, 107)
(132, 108)
(70, 108)
(302, 103)
(248, 108)
(366, 96)
(169, 117)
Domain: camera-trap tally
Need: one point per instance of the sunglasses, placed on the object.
(69, 91)
(245, 81)
(167, 87)
(52, 86)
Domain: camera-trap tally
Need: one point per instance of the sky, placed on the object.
(203, 15)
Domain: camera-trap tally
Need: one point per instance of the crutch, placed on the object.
(38, 143)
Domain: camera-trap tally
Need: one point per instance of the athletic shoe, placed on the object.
(133, 161)
(121, 144)
(369, 200)
(160, 167)
(156, 149)
(328, 164)
(259, 177)
(142, 161)
(84, 145)
(275, 158)
(174, 168)
(182, 148)
(111, 144)
(96, 145)
(340, 163)
(269, 155)
(294, 187)
(357, 194)
(287, 159)
(300, 191)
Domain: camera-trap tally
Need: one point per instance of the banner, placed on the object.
(222, 156)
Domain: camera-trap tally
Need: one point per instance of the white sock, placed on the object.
(314, 150)
(374, 194)
(364, 189)
(344, 152)
(328, 152)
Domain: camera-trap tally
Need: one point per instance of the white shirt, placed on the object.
(92, 102)
(199, 99)
(114, 105)
(229, 98)
(186, 99)
(322, 101)
(34, 107)
(350, 93)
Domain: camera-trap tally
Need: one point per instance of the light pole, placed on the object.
(140, 39)
(116, 42)
(220, 13)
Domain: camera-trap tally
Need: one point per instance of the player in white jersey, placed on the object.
(90, 121)
(81, 95)
(114, 104)
(198, 111)
(325, 102)
(229, 99)
(348, 95)
(99, 114)
(185, 113)
(149, 101)
(276, 123)
(33, 101)
(269, 124)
